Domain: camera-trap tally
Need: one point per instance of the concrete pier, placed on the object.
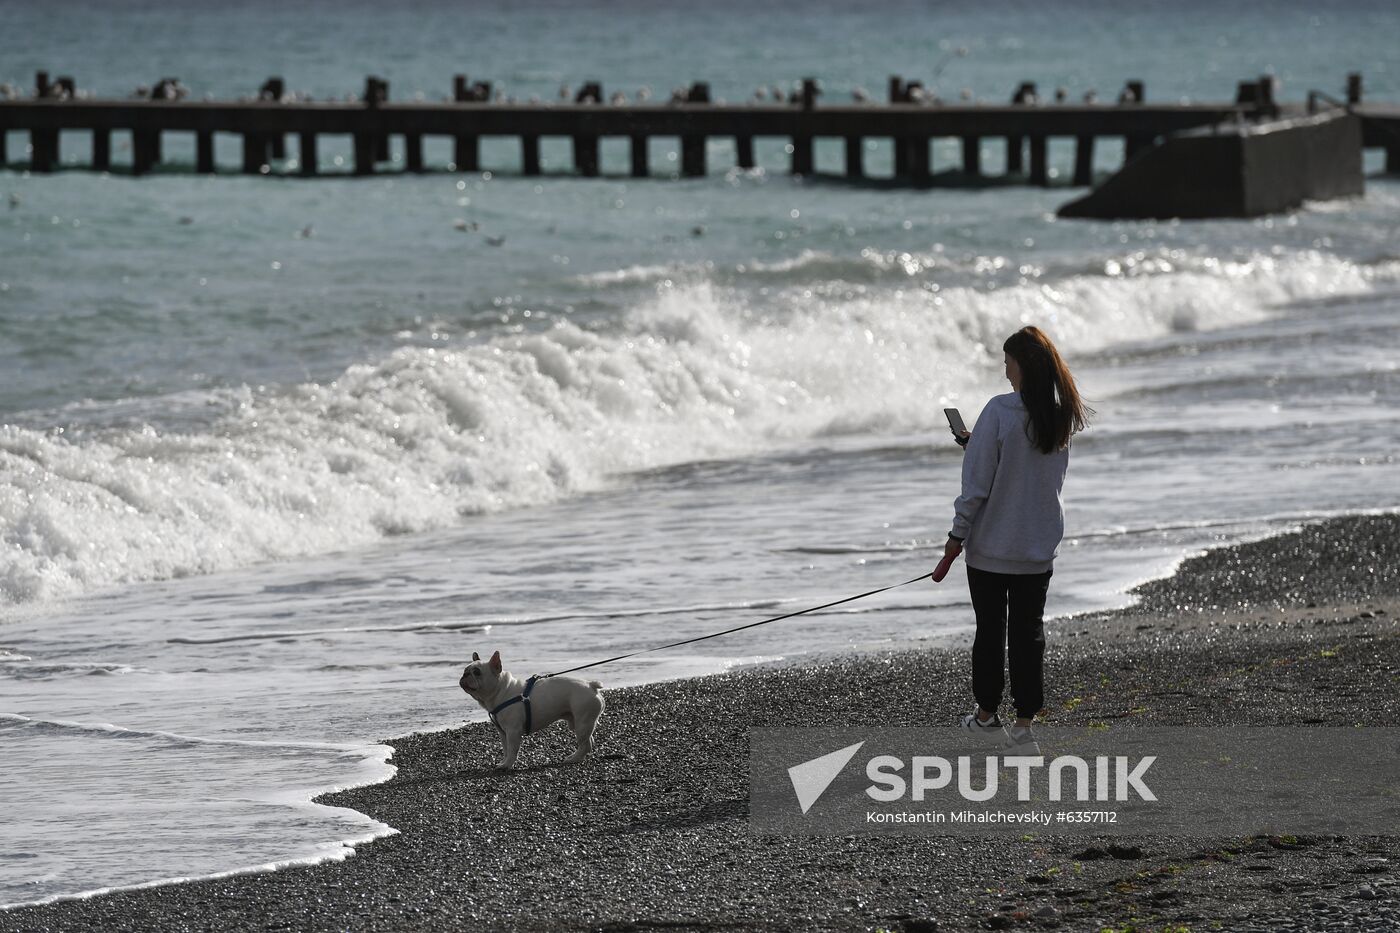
(1235, 170)
(912, 120)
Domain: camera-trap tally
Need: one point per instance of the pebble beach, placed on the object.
(653, 833)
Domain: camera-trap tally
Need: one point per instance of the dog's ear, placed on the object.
(496, 662)
(475, 656)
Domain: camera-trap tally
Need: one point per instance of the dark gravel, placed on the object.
(1340, 561)
(653, 833)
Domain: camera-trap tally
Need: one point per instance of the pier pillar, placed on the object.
(1025, 94)
(855, 157)
(1040, 172)
(273, 89)
(920, 164)
(901, 156)
(1392, 160)
(640, 168)
(143, 151)
(1268, 87)
(466, 152)
(1084, 160)
(972, 156)
(204, 152)
(308, 159)
(744, 150)
(4, 148)
(530, 154)
(1015, 155)
(693, 156)
(586, 155)
(413, 151)
(101, 150)
(377, 93)
(43, 150)
(1354, 88)
(254, 153)
(364, 153)
(802, 162)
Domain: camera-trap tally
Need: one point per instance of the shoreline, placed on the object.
(659, 816)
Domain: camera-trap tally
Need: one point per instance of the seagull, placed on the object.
(496, 240)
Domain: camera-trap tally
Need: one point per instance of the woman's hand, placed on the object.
(962, 439)
(950, 552)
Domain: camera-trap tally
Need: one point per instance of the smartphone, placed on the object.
(955, 421)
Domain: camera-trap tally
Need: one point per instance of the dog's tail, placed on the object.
(597, 687)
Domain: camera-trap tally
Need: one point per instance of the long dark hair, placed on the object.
(1056, 412)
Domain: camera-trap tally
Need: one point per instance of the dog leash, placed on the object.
(937, 575)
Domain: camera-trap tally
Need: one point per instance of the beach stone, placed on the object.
(919, 925)
(1125, 852)
(1371, 866)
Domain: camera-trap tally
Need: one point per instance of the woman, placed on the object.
(1009, 522)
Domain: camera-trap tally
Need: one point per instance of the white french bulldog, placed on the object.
(503, 695)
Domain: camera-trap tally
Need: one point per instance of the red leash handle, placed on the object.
(944, 565)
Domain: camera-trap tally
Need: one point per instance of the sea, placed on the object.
(278, 454)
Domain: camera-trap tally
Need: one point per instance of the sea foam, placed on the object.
(699, 369)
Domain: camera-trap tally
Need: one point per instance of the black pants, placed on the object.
(1010, 610)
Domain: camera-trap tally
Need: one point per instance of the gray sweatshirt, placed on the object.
(1009, 513)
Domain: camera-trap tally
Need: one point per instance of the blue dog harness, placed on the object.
(522, 698)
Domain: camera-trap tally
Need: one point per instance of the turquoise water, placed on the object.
(278, 454)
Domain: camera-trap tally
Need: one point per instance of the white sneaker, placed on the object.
(1021, 741)
(990, 731)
